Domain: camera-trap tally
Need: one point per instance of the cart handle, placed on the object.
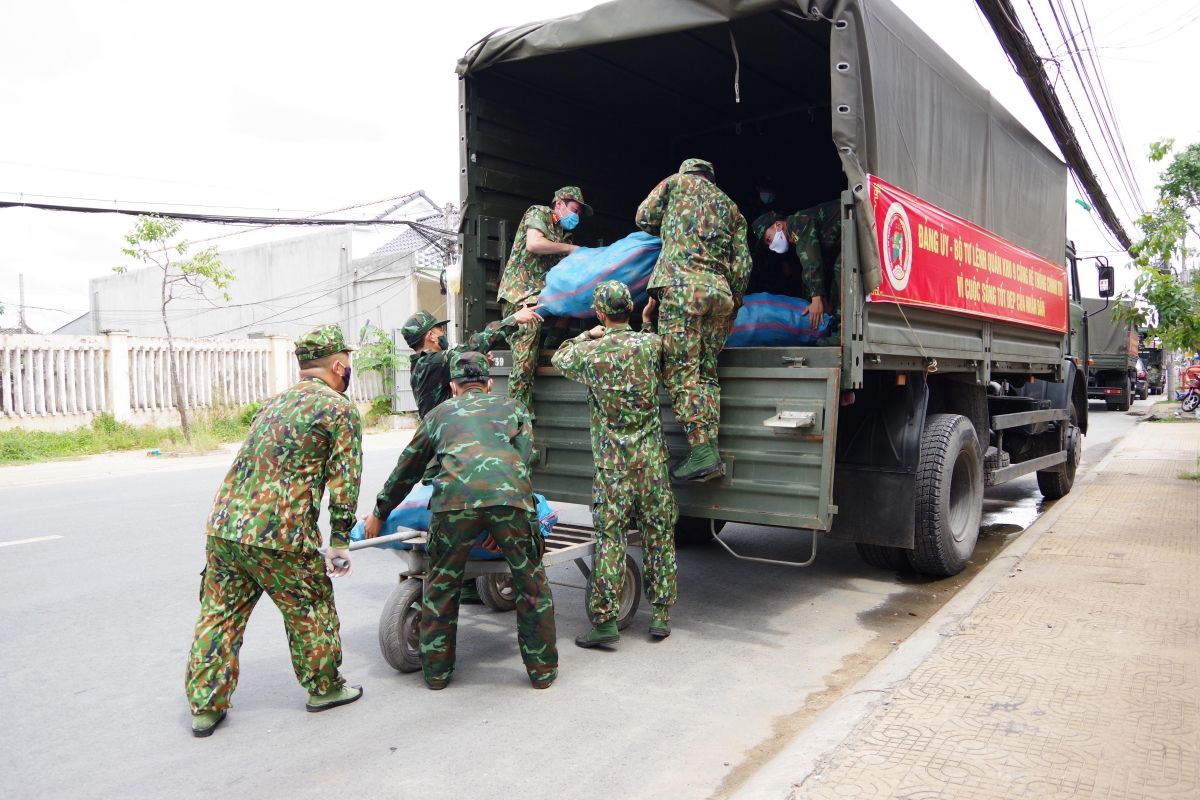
(399, 536)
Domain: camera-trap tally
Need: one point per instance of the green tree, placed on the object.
(1163, 282)
(376, 354)
(152, 242)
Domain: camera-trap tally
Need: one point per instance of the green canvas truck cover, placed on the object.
(901, 108)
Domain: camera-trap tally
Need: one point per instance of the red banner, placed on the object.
(933, 259)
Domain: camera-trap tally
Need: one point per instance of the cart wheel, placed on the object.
(497, 591)
(631, 593)
(399, 627)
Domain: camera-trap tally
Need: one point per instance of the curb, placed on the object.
(793, 765)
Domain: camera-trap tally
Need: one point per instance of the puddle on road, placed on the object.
(917, 599)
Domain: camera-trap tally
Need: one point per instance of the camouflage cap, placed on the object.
(698, 165)
(469, 366)
(323, 341)
(419, 324)
(612, 297)
(762, 222)
(573, 193)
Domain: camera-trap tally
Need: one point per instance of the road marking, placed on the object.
(30, 541)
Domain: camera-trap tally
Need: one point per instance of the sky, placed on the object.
(282, 108)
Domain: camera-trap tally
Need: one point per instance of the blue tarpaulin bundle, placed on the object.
(414, 513)
(774, 320)
(570, 283)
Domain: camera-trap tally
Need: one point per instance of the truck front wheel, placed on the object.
(1057, 482)
(949, 498)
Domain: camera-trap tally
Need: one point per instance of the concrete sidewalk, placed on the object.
(1069, 668)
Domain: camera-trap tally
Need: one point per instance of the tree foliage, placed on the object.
(1163, 282)
(151, 242)
(377, 354)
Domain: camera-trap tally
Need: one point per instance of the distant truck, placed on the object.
(1150, 351)
(1112, 356)
(960, 364)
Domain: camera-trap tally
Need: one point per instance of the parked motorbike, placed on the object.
(1189, 392)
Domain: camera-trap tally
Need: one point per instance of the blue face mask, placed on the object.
(569, 221)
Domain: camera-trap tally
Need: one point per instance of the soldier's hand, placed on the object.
(596, 332)
(343, 567)
(372, 525)
(527, 314)
(815, 309)
(648, 313)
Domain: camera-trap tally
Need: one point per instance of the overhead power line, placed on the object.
(1002, 17)
(229, 219)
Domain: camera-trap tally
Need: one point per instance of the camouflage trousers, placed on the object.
(235, 576)
(694, 322)
(618, 496)
(525, 343)
(517, 533)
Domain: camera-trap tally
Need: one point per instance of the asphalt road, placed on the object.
(100, 562)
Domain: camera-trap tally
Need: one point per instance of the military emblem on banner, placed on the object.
(896, 249)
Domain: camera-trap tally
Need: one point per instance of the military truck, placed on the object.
(961, 354)
(1151, 354)
(1113, 355)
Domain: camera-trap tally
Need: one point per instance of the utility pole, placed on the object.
(21, 324)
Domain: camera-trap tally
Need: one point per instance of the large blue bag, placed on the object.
(413, 512)
(570, 283)
(774, 320)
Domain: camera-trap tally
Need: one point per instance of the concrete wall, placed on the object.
(282, 288)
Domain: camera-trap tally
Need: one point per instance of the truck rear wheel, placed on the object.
(1122, 401)
(893, 559)
(1057, 483)
(949, 497)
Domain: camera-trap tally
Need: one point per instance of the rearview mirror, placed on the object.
(1108, 275)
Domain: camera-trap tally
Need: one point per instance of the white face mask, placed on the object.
(779, 242)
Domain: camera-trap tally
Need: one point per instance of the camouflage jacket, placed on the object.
(703, 233)
(524, 273)
(816, 235)
(431, 371)
(482, 444)
(301, 441)
(621, 371)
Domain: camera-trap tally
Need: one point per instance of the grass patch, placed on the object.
(1194, 475)
(209, 430)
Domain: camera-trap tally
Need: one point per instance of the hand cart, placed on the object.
(399, 639)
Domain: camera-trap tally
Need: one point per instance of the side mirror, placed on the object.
(1108, 275)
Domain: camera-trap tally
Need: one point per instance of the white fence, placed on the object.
(59, 382)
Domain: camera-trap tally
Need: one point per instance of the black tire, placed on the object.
(497, 591)
(631, 593)
(1122, 403)
(399, 635)
(695, 530)
(1191, 401)
(893, 559)
(1055, 484)
(949, 500)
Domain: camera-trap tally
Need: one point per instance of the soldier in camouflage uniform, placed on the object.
(543, 238)
(483, 444)
(430, 364)
(263, 535)
(816, 235)
(697, 286)
(621, 369)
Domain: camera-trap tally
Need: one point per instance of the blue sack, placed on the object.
(569, 285)
(413, 512)
(774, 320)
